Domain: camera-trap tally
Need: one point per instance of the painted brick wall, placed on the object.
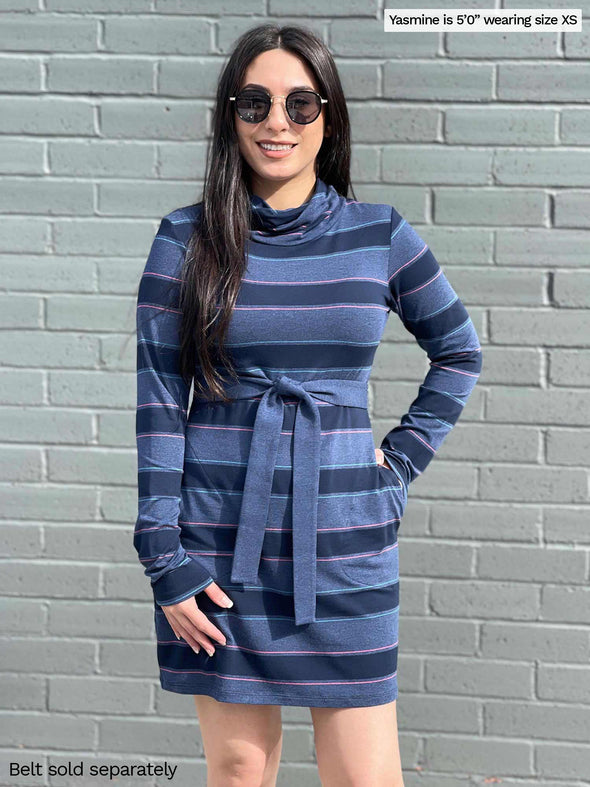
(482, 142)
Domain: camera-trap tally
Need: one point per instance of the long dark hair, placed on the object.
(215, 260)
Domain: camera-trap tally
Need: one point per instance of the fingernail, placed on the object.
(227, 602)
(210, 652)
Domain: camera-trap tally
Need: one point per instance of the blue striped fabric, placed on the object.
(320, 283)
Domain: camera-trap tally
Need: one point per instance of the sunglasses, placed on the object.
(303, 106)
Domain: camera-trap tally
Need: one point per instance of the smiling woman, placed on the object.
(267, 489)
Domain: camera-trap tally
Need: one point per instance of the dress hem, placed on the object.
(366, 699)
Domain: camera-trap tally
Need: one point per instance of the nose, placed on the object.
(281, 100)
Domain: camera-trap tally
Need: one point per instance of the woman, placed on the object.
(269, 495)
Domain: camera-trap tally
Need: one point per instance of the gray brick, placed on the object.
(541, 326)
(166, 36)
(566, 526)
(454, 81)
(486, 522)
(98, 695)
(46, 731)
(542, 484)
(102, 158)
(430, 165)
(545, 168)
(23, 692)
(375, 122)
(21, 156)
(101, 6)
(545, 247)
(530, 564)
(48, 656)
(563, 683)
(479, 677)
(500, 126)
(46, 33)
(112, 620)
(20, 75)
(562, 762)
(568, 447)
(484, 599)
(572, 289)
(490, 206)
(527, 719)
(575, 126)
(478, 756)
(566, 603)
(357, 37)
(176, 76)
(497, 44)
(437, 559)
(46, 196)
(424, 713)
(153, 118)
(98, 75)
(534, 642)
(431, 635)
(149, 736)
(50, 117)
(126, 198)
(572, 209)
(555, 82)
(49, 579)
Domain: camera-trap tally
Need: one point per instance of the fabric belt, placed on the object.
(306, 475)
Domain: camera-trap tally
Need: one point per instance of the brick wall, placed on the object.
(482, 142)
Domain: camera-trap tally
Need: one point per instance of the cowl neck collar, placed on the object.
(296, 225)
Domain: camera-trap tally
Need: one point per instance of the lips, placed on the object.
(266, 142)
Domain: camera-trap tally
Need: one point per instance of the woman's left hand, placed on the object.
(380, 456)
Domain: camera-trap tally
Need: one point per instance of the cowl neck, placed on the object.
(296, 225)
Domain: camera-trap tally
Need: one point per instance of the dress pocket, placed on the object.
(395, 487)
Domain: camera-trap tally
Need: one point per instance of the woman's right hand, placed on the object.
(187, 620)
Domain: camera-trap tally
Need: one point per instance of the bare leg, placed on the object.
(358, 747)
(242, 742)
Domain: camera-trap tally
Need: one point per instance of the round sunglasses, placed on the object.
(303, 106)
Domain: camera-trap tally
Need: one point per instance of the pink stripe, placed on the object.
(405, 265)
(159, 308)
(280, 682)
(158, 404)
(421, 287)
(307, 308)
(286, 432)
(417, 436)
(457, 371)
(190, 523)
(287, 652)
(161, 434)
(290, 559)
(161, 275)
(317, 281)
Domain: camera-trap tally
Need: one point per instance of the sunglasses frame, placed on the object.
(271, 101)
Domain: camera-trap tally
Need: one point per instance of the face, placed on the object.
(279, 72)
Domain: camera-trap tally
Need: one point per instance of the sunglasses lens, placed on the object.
(252, 107)
(302, 107)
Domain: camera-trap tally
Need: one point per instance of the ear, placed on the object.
(328, 132)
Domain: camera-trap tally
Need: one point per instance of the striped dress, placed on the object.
(277, 495)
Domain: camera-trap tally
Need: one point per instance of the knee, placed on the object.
(240, 769)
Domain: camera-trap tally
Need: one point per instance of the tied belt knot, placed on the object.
(306, 475)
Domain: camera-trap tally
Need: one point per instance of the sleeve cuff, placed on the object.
(184, 581)
(397, 466)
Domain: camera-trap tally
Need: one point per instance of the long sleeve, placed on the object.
(161, 417)
(431, 311)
